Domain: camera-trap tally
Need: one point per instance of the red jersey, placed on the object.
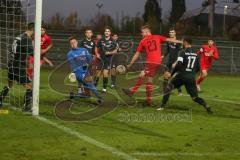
(152, 46)
(206, 58)
(45, 41)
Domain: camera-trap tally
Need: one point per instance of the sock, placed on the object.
(166, 94)
(4, 93)
(28, 98)
(200, 101)
(113, 79)
(149, 89)
(90, 86)
(137, 85)
(200, 79)
(165, 84)
(96, 80)
(165, 99)
(105, 82)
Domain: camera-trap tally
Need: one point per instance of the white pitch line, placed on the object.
(90, 140)
(154, 154)
(218, 100)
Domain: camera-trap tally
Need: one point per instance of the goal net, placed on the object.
(15, 15)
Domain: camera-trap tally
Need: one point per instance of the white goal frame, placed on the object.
(37, 54)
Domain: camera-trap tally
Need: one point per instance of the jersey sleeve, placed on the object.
(215, 53)
(162, 38)
(181, 56)
(140, 47)
(200, 51)
(49, 40)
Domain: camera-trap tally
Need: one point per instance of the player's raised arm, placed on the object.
(135, 57)
(215, 54)
(173, 40)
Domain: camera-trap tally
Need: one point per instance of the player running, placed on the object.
(173, 50)
(17, 66)
(184, 73)
(151, 45)
(207, 53)
(106, 48)
(80, 59)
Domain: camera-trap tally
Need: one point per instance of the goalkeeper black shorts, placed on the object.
(19, 75)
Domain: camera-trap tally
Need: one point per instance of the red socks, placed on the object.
(200, 79)
(137, 85)
(149, 89)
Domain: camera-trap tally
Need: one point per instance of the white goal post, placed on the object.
(37, 55)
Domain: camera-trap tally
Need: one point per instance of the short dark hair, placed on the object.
(172, 29)
(115, 34)
(187, 39)
(88, 29)
(146, 27)
(30, 26)
(107, 27)
(211, 38)
(44, 26)
(71, 38)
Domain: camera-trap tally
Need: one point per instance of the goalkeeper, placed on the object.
(17, 66)
(79, 60)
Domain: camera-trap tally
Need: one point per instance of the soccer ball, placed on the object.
(72, 77)
(121, 69)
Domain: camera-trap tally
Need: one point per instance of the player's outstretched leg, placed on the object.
(130, 92)
(202, 102)
(91, 87)
(167, 91)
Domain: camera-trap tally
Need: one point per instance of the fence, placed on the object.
(229, 52)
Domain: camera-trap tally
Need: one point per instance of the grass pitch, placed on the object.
(184, 131)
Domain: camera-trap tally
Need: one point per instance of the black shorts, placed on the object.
(19, 75)
(188, 80)
(104, 64)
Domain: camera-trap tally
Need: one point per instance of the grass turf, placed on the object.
(183, 131)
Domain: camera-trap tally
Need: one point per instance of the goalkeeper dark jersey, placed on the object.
(19, 51)
(17, 59)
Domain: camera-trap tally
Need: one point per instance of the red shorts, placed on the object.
(30, 66)
(204, 67)
(151, 69)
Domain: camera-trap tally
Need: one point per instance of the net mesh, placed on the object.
(14, 17)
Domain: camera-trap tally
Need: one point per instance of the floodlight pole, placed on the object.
(37, 54)
(224, 19)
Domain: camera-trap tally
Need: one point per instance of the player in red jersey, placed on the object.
(46, 45)
(151, 45)
(207, 54)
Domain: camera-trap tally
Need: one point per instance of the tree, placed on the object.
(152, 14)
(57, 21)
(178, 9)
(11, 14)
(72, 21)
(101, 21)
(235, 1)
